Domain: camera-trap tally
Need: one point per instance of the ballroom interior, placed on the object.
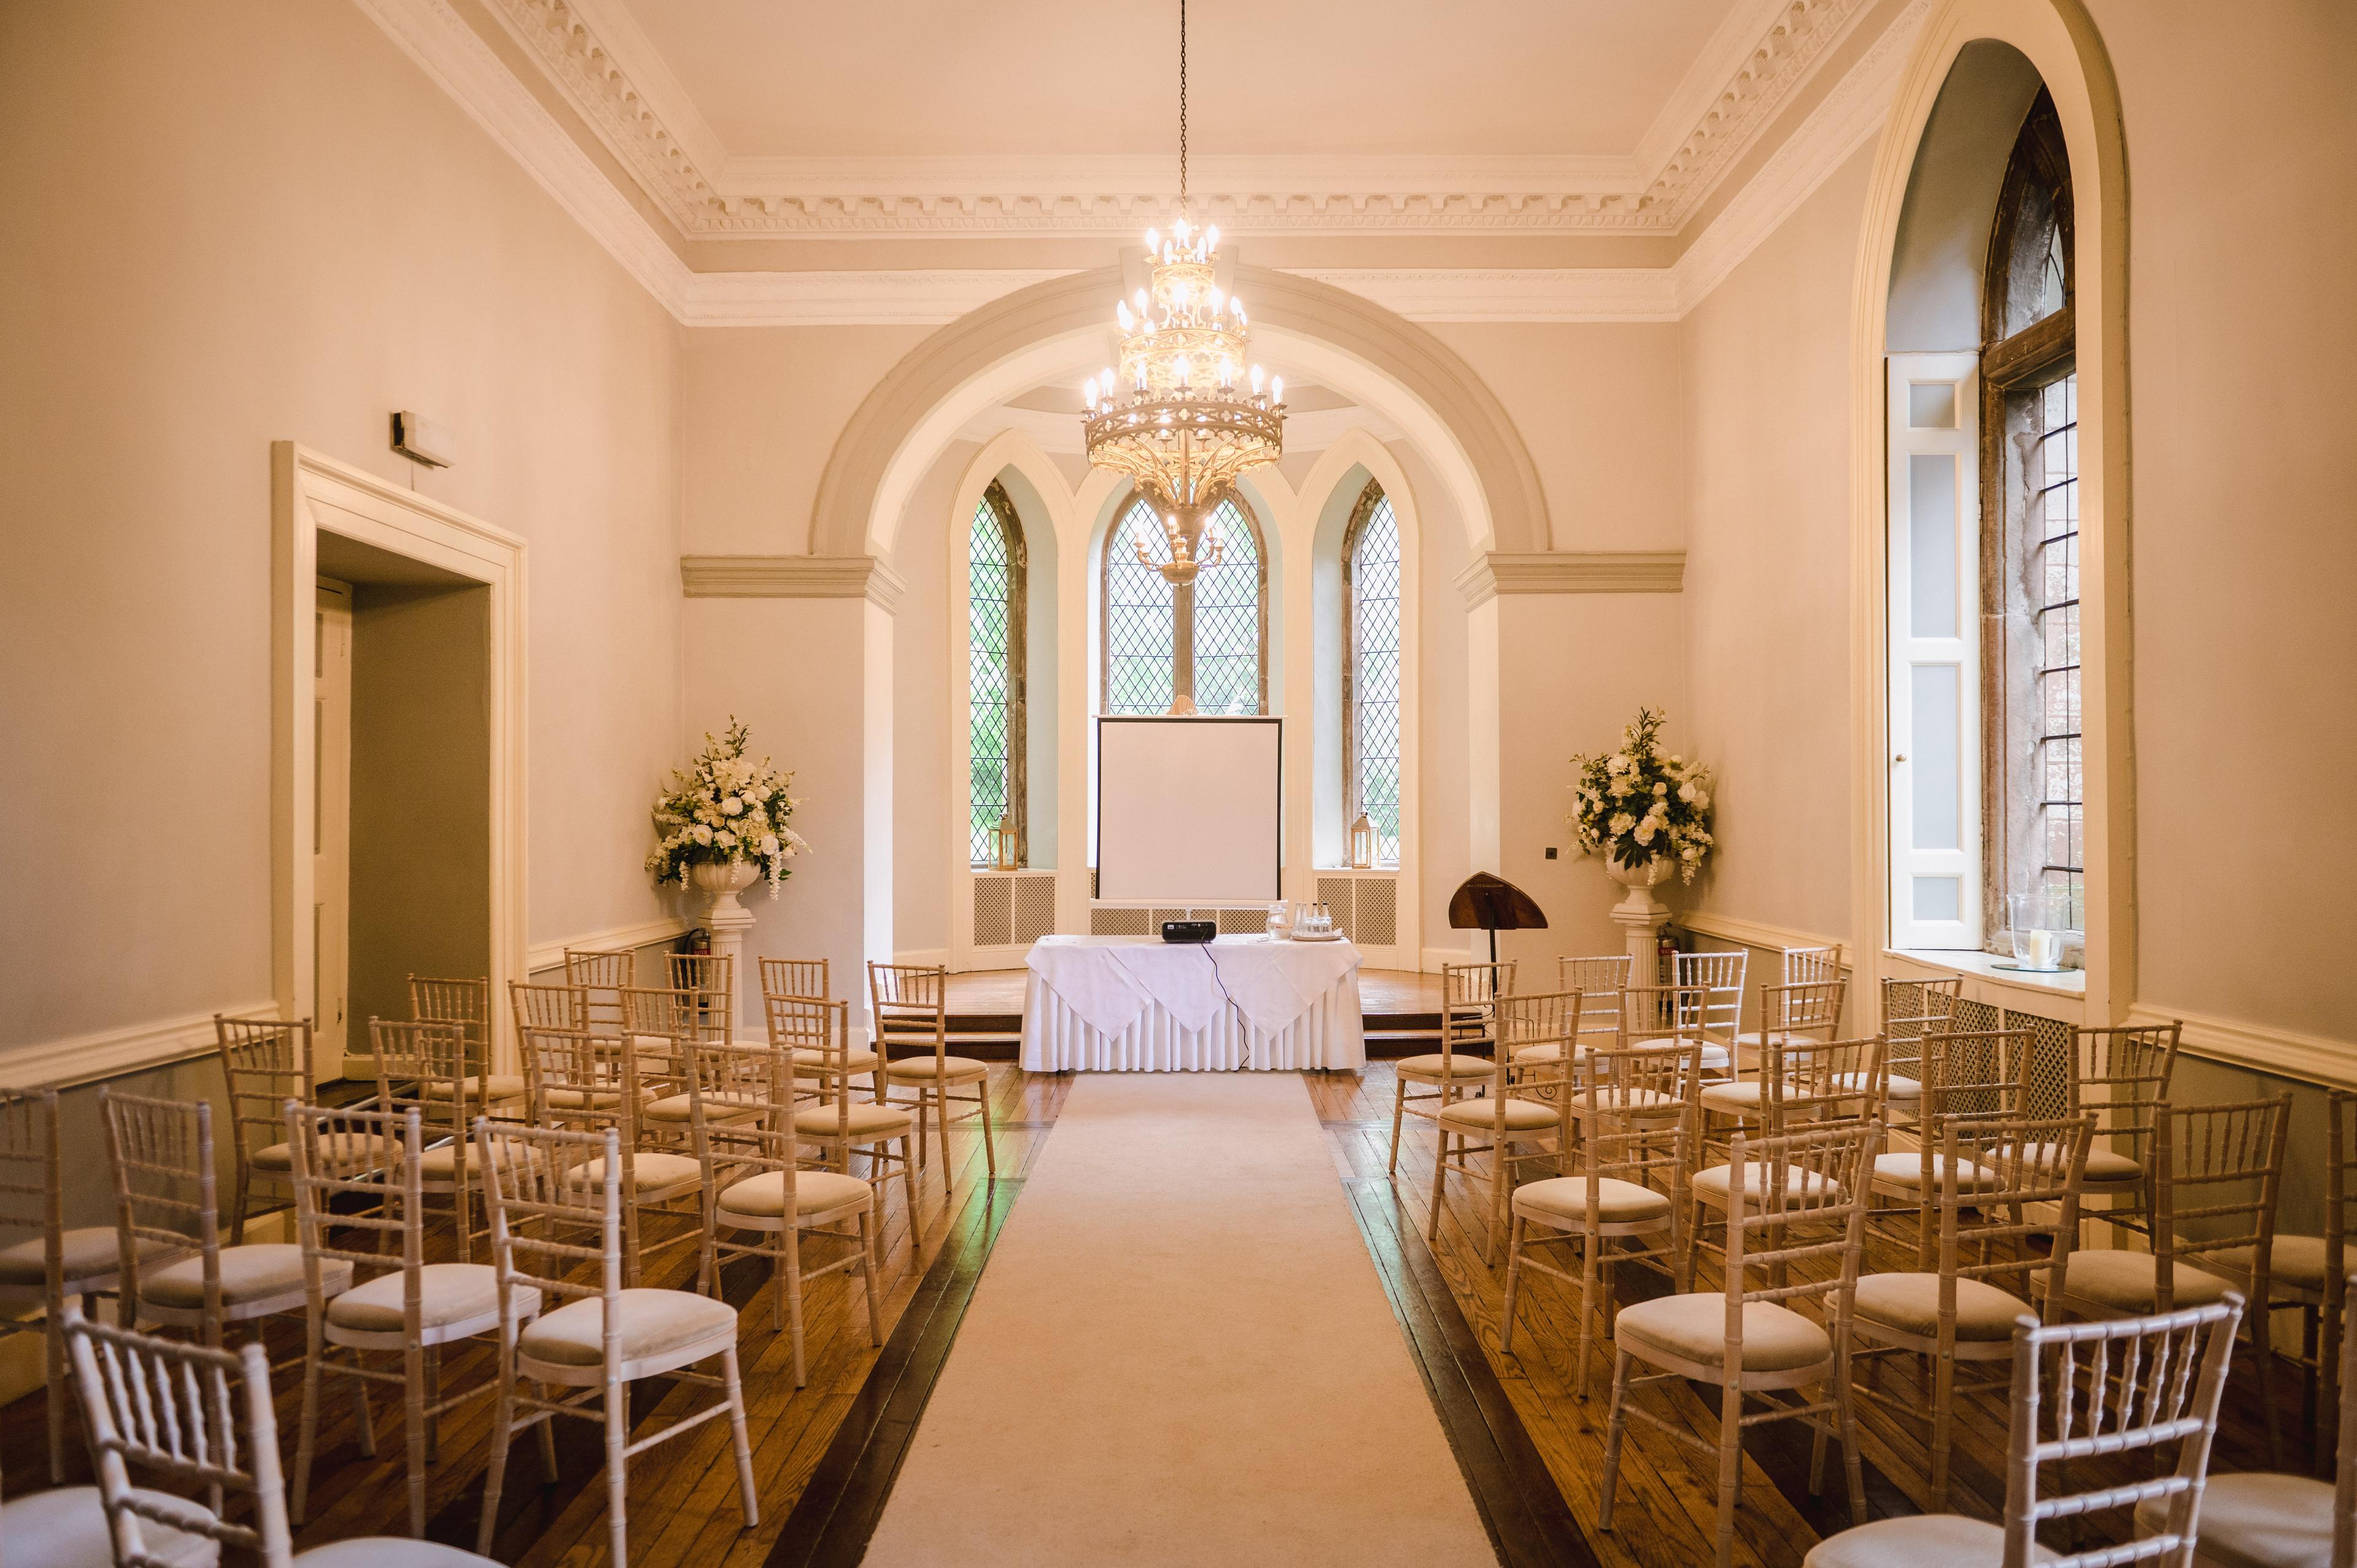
(1217, 782)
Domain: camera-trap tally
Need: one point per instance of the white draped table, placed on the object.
(1139, 1004)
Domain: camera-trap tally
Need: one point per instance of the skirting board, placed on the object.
(646, 933)
(110, 1053)
(2311, 1059)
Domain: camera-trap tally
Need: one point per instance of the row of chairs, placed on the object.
(1629, 1092)
(690, 1136)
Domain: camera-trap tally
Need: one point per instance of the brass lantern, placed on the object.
(1362, 843)
(1002, 848)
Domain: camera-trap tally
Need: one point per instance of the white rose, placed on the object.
(1686, 792)
(703, 833)
(1660, 788)
(1616, 763)
(1621, 822)
(1645, 831)
(733, 806)
(768, 843)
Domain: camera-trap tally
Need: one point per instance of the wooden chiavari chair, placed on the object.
(1599, 981)
(547, 1184)
(1796, 1010)
(2006, 1188)
(1911, 1010)
(816, 1038)
(425, 1067)
(1635, 1109)
(1964, 1073)
(601, 974)
(175, 1413)
(2121, 1076)
(2218, 1167)
(161, 1152)
(468, 1003)
(58, 1264)
(910, 1004)
(266, 1062)
(767, 1191)
(684, 1019)
(1749, 1340)
(410, 1306)
(1469, 996)
(2294, 1259)
(807, 978)
(2148, 1383)
(1720, 975)
(1527, 1105)
(1802, 1084)
(2267, 1519)
(711, 977)
(590, 1082)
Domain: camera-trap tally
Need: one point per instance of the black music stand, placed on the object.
(1492, 904)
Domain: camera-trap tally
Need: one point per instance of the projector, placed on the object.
(1189, 930)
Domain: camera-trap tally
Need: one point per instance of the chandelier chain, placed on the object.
(1182, 107)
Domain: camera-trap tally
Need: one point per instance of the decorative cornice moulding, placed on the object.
(1571, 572)
(456, 59)
(620, 86)
(790, 577)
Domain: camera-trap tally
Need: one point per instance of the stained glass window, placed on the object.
(1371, 558)
(1140, 629)
(994, 717)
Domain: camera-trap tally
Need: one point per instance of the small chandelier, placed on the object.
(1187, 412)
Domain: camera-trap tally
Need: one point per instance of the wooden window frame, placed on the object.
(2015, 364)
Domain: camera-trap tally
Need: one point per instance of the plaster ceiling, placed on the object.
(948, 78)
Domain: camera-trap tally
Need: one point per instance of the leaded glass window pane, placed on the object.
(2052, 537)
(1138, 639)
(993, 715)
(1227, 620)
(1375, 675)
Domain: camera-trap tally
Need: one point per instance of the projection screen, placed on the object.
(1188, 810)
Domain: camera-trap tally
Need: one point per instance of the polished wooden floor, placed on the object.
(682, 1500)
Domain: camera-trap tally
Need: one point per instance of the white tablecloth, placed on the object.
(1138, 1005)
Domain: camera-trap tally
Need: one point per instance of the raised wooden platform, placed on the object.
(1401, 1010)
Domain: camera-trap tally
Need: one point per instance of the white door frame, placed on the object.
(310, 492)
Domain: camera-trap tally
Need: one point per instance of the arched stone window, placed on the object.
(1225, 633)
(996, 728)
(2033, 792)
(1371, 672)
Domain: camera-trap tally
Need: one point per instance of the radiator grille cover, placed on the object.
(994, 911)
(1034, 908)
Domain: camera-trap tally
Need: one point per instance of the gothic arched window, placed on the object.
(1228, 602)
(1371, 677)
(996, 739)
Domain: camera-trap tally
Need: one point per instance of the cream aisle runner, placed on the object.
(1180, 1353)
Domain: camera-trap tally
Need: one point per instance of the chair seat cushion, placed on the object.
(1742, 1098)
(1910, 1304)
(1482, 1115)
(1636, 1104)
(734, 1107)
(2104, 1165)
(654, 1323)
(1921, 1540)
(1549, 1054)
(1693, 1328)
(1904, 1167)
(447, 1293)
(1459, 1064)
(926, 1069)
(2256, 1521)
(581, 1099)
(346, 1150)
(65, 1527)
(807, 1057)
(251, 1272)
(1755, 1039)
(88, 1251)
(389, 1552)
(1713, 1182)
(1901, 1088)
(2296, 1261)
(441, 1162)
(815, 1193)
(867, 1119)
(2127, 1282)
(651, 1171)
(1564, 1199)
(1715, 1056)
(491, 1087)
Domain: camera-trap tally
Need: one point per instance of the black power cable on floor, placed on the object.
(1220, 980)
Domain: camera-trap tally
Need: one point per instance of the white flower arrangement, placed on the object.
(726, 807)
(1634, 804)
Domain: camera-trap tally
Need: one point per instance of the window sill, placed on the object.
(2061, 995)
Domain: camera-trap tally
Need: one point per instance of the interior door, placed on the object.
(331, 827)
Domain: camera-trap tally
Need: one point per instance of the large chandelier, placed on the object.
(1188, 411)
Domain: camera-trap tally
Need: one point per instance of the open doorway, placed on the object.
(406, 766)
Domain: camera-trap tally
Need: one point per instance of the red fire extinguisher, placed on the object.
(1665, 954)
(696, 940)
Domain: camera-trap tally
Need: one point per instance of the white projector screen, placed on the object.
(1188, 810)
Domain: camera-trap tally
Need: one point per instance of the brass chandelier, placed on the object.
(1187, 412)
